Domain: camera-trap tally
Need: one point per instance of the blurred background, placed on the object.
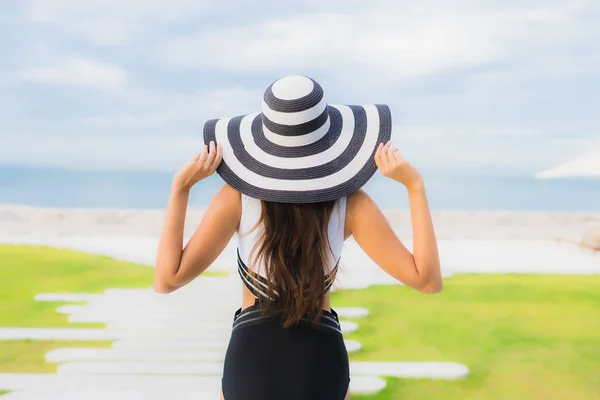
(493, 101)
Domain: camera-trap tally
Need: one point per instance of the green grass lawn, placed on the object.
(524, 337)
(29, 270)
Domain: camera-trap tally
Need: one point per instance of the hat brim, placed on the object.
(282, 169)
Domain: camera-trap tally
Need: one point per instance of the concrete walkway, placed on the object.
(167, 346)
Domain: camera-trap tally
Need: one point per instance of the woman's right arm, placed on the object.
(371, 230)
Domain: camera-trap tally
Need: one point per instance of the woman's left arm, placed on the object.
(175, 265)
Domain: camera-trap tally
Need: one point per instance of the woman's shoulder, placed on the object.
(228, 192)
(358, 204)
(227, 198)
(358, 200)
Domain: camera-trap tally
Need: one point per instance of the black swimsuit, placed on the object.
(265, 361)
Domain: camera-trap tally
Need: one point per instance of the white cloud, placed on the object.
(500, 156)
(164, 109)
(165, 10)
(587, 166)
(111, 22)
(133, 121)
(337, 40)
(396, 42)
(508, 131)
(429, 132)
(77, 72)
(96, 152)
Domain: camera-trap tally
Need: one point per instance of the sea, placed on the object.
(65, 188)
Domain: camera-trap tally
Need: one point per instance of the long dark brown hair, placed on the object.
(294, 247)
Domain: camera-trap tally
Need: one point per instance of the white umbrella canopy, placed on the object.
(585, 167)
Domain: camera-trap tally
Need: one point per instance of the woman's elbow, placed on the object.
(159, 285)
(432, 288)
(162, 289)
(432, 285)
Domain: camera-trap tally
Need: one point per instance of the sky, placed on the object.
(497, 87)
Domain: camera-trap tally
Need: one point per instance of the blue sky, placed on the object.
(478, 86)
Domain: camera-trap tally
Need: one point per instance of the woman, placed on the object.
(293, 175)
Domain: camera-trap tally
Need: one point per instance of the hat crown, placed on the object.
(299, 149)
(293, 87)
(294, 106)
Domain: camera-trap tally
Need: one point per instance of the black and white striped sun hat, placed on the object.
(300, 149)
